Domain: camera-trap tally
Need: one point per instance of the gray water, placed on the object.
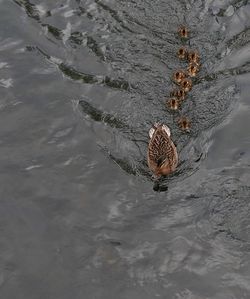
(81, 83)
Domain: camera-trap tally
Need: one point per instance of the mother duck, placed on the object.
(162, 153)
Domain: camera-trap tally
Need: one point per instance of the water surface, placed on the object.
(81, 83)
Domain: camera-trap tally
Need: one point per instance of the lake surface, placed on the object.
(81, 82)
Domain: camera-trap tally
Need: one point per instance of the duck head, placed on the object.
(156, 126)
(186, 84)
(182, 53)
(194, 57)
(178, 76)
(179, 94)
(183, 32)
(192, 69)
(184, 124)
(173, 104)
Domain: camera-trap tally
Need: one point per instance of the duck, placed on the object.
(186, 84)
(184, 124)
(192, 69)
(183, 32)
(173, 103)
(162, 154)
(179, 94)
(182, 53)
(194, 57)
(178, 76)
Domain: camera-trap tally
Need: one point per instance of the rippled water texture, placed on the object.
(81, 83)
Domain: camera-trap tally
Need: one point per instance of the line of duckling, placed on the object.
(162, 153)
(183, 78)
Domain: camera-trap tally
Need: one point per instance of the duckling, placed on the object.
(194, 57)
(178, 76)
(183, 32)
(192, 69)
(173, 104)
(162, 153)
(182, 53)
(178, 93)
(186, 84)
(184, 124)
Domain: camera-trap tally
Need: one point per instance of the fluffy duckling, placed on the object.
(192, 69)
(184, 124)
(178, 93)
(183, 32)
(182, 53)
(194, 57)
(186, 84)
(173, 104)
(162, 153)
(178, 76)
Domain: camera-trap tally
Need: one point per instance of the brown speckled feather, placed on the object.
(162, 154)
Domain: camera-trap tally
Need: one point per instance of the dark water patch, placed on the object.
(29, 8)
(83, 11)
(76, 75)
(239, 40)
(100, 116)
(123, 164)
(55, 32)
(93, 45)
(76, 38)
